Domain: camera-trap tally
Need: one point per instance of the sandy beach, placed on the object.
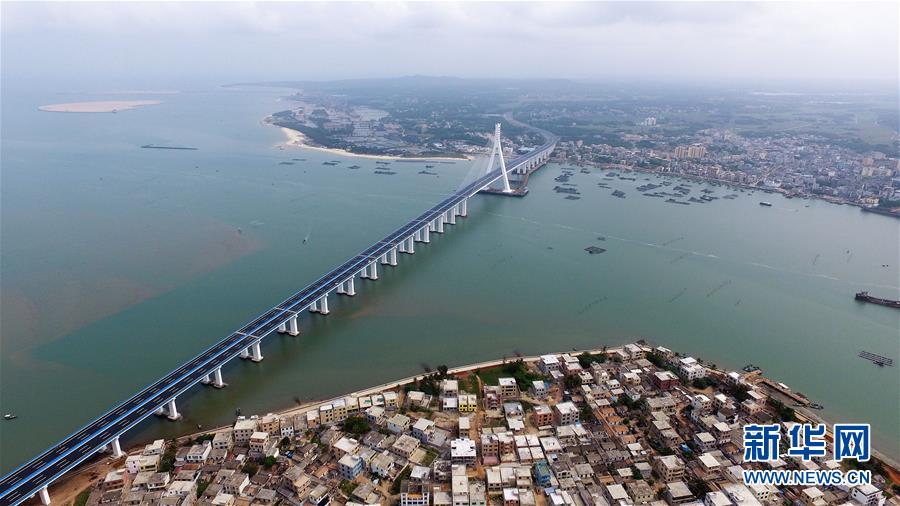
(98, 106)
(296, 139)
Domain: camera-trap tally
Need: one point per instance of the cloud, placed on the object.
(702, 40)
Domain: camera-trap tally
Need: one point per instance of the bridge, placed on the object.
(34, 477)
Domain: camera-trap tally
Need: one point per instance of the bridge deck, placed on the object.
(29, 478)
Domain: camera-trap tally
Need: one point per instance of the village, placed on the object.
(632, 425)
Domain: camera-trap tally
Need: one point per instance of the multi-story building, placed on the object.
(462, 451)
(222, 440)
(867, 495)
(243, 429)
(548, 364)
(467, 403)
(541, 416)
(415, 494)
(270, 423)
(566, 413)
(449, 388)
(669, 468)
(664, 380)
(349, 466)
(509, 389)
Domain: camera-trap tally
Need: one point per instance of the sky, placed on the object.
(649, 41)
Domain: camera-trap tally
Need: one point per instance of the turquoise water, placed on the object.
(118, 263)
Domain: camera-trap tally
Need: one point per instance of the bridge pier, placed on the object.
(116, 448)
(408, 246)
(341, 289)
(351, 286)
(426, 233)
(172, 411)
(314, 307)
(370, 271)
(256, 353)
(438, 225)
(245, 353)
(464, 211)
(44, 494)
(323, 304)
(293, 327)
(217, 378)
(402, 246)
(392, 257)
(282, 328)
(452, 214)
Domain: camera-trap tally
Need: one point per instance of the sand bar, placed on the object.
(296, 139)
(100, 106)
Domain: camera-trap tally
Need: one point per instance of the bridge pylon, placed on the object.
(497, 150)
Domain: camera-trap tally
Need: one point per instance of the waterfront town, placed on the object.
(631, 425)
(795, 165)
(843, 153)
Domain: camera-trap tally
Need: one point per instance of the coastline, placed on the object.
(296, 140)
(734, 184)
(76, 481)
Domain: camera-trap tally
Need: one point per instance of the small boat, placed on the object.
(10, 416)
(765, 204)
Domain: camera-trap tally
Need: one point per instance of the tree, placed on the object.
(572, 382)
(269, 462)
(356, 425)
(250, 468)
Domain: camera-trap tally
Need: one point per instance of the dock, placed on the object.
(876, 359)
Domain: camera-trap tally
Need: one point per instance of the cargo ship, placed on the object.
(865, 297)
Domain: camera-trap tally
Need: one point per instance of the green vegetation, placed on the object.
(470, 384)
(697, 487)
(738, 391)
(431, 383)
(586, 359)
(586, 414)
(783, 412)
(167, 462)
(82, 497)
(398, 481)
(268, 462)
(703, 383)
(250, 468)
(347, 487)
(201, 487)
(356, 425)
(516, 369)
(204, 437)
(430, 455)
